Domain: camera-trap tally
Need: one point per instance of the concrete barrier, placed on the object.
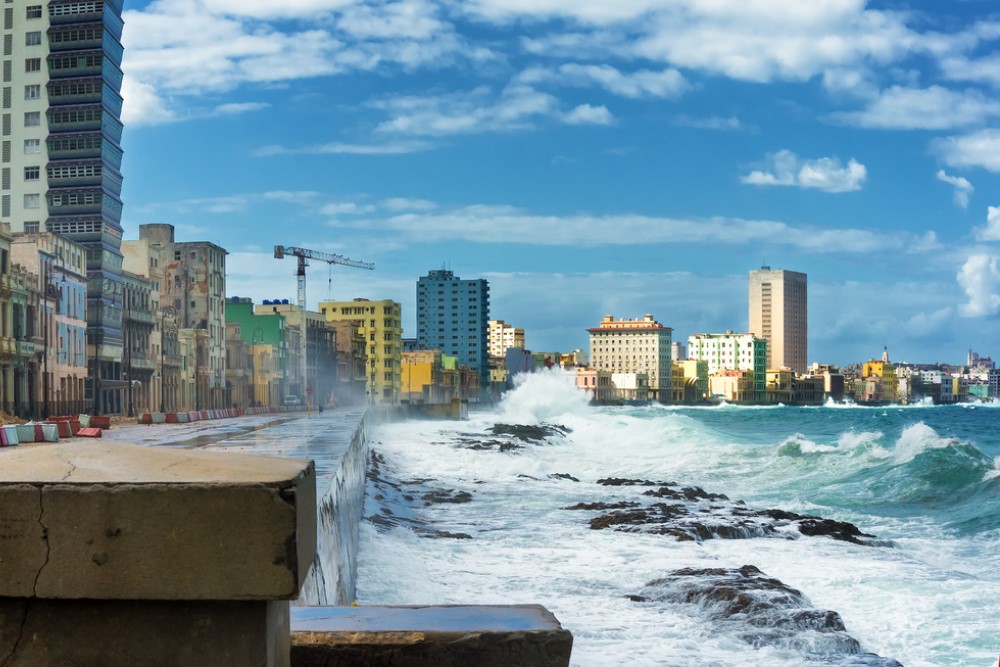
(96, 573)
(445, 636)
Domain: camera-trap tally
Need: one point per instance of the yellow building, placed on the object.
(381, 325)
(888, 380)
(421, 377)
(779, 385)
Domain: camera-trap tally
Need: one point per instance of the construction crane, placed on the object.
(304, 254)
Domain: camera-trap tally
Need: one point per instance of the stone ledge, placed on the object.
(124, 522)
(50, 633)
(443, 636)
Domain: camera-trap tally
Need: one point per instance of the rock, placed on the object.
(562, 475)
(446, 496)
(529, 433)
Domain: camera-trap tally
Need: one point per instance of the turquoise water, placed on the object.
(925, 477)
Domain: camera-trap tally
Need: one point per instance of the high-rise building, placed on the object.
(778, 314)
(634, 346)
(61, 147)
(453, 316)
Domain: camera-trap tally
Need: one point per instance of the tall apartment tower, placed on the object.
(61, 131)
(453, 316)
(778, 314)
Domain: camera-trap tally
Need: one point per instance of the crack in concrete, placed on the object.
(17, 642)
(72, 469)
(45, 536)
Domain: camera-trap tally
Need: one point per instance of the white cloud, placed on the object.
(586, 114)
(404, 204)
(828, 174)
(346, 208)
(981, 70)
(979, 278)
(963, 188)
(730, 124)
(978, 149)
(485, 224)
(933, 108)
(340, 148)
(234, 108)
(516, 107)
(991, 232)
(142, 105)
(667, 83)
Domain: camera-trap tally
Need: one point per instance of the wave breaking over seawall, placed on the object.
(548, 500)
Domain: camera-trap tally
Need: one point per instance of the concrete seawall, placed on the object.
(340, 505)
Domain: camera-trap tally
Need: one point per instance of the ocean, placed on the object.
(898, 566)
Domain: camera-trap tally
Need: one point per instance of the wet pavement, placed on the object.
(320, 437)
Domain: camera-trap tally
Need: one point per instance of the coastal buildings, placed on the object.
(61, 151)
(633, 346)
(732, 351)
(192, 277)
(453, 316)
(380, 324)
(778, 314)
(502, 336)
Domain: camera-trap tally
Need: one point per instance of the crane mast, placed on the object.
(304, 254)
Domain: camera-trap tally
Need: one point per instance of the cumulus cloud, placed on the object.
(977, 149)
(991, 232)
(979, 278)
(785, 168)
(963, 189)
(730, 124)
(932, 108)
(234, 108)
(142, 105)
(586, 114)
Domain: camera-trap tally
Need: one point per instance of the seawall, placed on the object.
(341, 465)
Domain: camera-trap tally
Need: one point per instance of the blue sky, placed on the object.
(588, 157)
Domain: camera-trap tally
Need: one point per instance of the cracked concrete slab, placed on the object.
(118, 522)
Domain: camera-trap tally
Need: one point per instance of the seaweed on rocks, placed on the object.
(762, 611)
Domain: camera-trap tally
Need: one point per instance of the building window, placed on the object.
(32, 146)
(32, 64)
(33, 12)
(31, 227)
(32, 38)
(32, 173)
(32, 92)
(32, 201)
(32, 118)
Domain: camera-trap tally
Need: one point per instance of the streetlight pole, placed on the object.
(127, 331)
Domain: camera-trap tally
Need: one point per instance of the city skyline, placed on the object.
(587, 158)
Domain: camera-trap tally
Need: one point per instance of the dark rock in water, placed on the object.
(617, 481)
(523, 476)
(444, 534)
(562, 475)
(697, 515)
(529, 433)
(446, 496)
(687, 493)
(762, 611)
(603, 506)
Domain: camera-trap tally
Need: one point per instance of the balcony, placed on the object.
(142, 361)
(25, 348)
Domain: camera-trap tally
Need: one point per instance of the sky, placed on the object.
(588, 157)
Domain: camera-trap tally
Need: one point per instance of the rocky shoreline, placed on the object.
(758, 609)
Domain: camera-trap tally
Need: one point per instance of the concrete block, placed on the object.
(49, 633)
(90, 433)
(113, 521)
(445, 636)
